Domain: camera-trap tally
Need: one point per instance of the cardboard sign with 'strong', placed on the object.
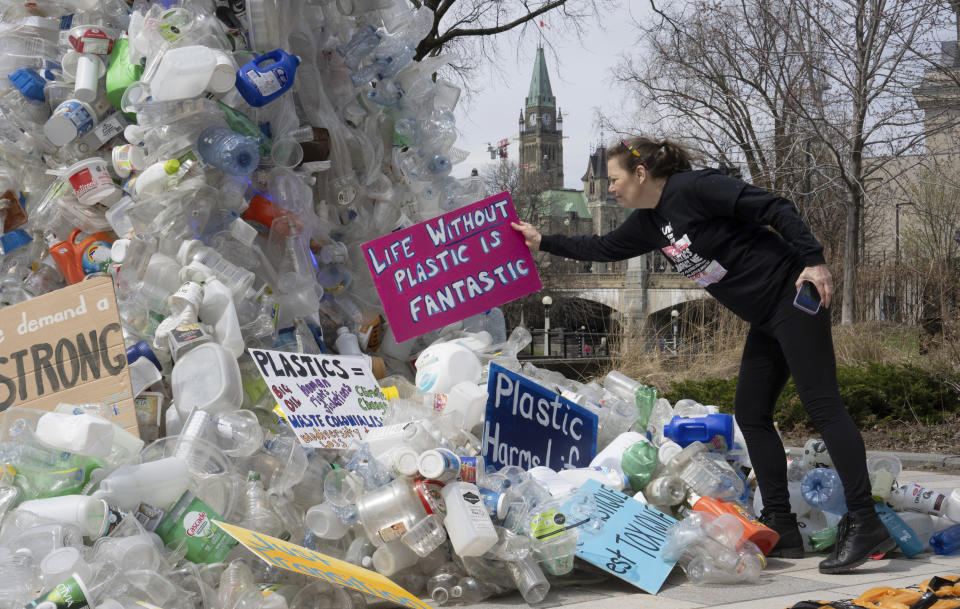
(66, 347)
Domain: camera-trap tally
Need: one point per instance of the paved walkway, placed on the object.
(783, 583)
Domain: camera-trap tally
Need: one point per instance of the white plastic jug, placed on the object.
(468, 524)
(157, 483)
(443, 365)
(186, 72)
(82, 434)
(207, 377)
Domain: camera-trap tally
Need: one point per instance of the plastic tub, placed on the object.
(128, 158)
(70, 120)
(91, 181)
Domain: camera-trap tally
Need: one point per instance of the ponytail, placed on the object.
(661, 159)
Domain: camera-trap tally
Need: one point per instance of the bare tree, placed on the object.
(813, 97)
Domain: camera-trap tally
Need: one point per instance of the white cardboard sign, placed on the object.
(330, 401)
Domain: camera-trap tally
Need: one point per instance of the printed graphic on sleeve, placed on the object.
(702, 272)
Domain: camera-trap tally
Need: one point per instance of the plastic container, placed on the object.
(612, 454)
(157, 483)
(915, 498)
(604, 475)
(208, 378)
(439, 464)
(82, 434)
(228, 151)
(883, 470)
(347, 343)
(91, 181)
(389, 512)
(822, 489)
(323, 522)
(186, 72)
(467, 522)
(89, 514)
(714, 430)
(764, 537)
(69, 120)
(638, 463)
(906, 539)
(237, 278)
(441, 366)
(666, 490)
(77, 260)
(267, 77)
(127, 158)
(946, 541)
(426, 535)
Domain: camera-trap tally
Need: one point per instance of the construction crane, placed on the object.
(500, 150)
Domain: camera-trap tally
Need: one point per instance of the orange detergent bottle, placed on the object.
(77, 260)
(763, 536)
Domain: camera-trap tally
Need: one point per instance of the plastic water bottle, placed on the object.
(946, 541)
(822, 489)
(907, 540)
(627, 388)
(228, 151)
(638, 463)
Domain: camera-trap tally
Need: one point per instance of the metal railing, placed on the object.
(566, 344)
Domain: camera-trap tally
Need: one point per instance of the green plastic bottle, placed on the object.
(823, 540)
(643, 395)
(121, 73)
(638, 463)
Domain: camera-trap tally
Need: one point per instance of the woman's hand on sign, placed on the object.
(531, 236)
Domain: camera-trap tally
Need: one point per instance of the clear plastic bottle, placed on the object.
(18, 577)
(258, 515)
(228, 151)
(823, 490)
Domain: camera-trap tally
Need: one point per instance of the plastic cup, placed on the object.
(286, 152)
(128, 158)
(224, 74)
(70, 120)
(90, 181)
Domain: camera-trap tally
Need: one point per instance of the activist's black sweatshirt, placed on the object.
(714, 229)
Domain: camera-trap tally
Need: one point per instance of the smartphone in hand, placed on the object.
(808, 298)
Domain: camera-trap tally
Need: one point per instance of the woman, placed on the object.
(715, 230)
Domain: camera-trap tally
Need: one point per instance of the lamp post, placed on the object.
(897, 226)
(674, 317)
(547, 301)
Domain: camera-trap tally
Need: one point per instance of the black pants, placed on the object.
(795, 343)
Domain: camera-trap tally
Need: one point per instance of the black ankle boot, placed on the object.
(860, 535)
(790, 544)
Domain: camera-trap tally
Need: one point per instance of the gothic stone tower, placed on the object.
(607, 214)
(541, 133)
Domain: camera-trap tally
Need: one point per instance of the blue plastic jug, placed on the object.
(714, 430)
(267, 77)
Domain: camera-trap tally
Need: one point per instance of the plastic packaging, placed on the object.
(468, 525)
(228, 151)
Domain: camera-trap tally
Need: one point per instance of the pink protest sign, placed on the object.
(451, 267)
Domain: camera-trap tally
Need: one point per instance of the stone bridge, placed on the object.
(634, 295)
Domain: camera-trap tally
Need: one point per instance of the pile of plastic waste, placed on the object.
(222, 162)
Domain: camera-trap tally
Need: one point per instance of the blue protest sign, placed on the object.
(630, 542)
(529, 425)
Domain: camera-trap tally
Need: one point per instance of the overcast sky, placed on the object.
(582, 81)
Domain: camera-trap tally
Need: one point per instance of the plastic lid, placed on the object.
(406, 463)
(432, 464)
(172, 166)
(60, 561)
(118, 251)
(13, 240)
(29, 82)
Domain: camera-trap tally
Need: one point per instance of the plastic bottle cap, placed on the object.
(13, 240)
(172, 166)
(407, 463)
